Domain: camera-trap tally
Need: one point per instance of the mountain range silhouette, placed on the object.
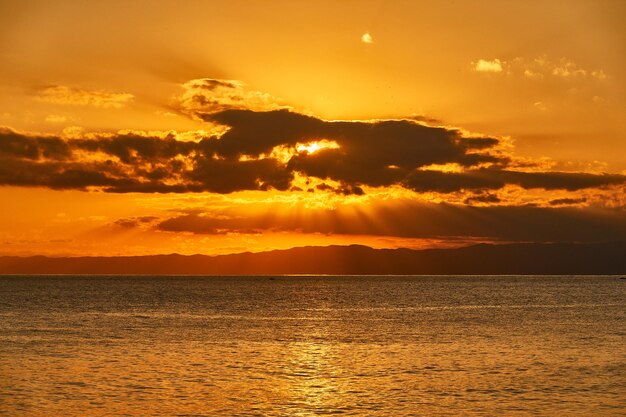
(481, 259)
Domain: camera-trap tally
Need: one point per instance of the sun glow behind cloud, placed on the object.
(314, 146)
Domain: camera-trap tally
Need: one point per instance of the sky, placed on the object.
(214, 127)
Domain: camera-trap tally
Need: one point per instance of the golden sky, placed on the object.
(226, 126)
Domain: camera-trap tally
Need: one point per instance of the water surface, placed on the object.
(308, 346)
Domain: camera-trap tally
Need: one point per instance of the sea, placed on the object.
(312, 346)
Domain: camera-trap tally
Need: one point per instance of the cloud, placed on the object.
(131, 163)
(493, 179)
(599, 75)
(568, 69)
(60, 94)
(133, 222)
(539, 68)
(18, 146)
(367, 38)
(483, 65)
(408, 219)
(209, 95)
(56, 118)
(264, 150)
(482, 198)
(375, 154)
(567, 201)
(198, 224)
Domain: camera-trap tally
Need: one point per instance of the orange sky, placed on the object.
(219, 127)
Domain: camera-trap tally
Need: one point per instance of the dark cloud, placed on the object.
(211, 84)
(374, 154)
(254, 133)
(429, 221)
(132, 222)
(207, 225)
(345, 189)
(363, 146)
(567, 201)
(61, 175)
(132, 149)
(197, 224)
(492, 179)
(426, 119)
(225, 176)
(571, 181)
(484, 198)
(15, 145)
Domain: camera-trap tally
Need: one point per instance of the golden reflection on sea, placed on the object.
(310, 346)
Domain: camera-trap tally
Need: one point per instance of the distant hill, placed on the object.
(522, 258)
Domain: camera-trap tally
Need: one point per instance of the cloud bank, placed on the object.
(263, 150)
(411, 219)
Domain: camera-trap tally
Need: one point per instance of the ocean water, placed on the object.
(310, 346)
